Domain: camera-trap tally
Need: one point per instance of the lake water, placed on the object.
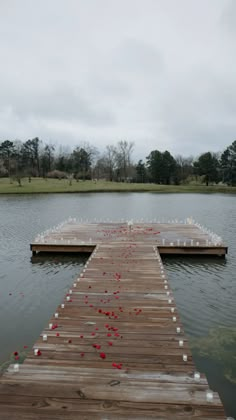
(204, 289)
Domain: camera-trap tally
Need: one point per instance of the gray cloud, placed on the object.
(157, 72)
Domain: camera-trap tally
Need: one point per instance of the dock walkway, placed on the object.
(114, 349)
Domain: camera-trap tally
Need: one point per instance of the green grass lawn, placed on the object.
(40, 185)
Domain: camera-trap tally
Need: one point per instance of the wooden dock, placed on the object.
(115, 347)
(170, 238)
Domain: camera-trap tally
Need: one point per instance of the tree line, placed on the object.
(34, 158)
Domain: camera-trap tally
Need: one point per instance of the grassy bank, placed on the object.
(39, 185)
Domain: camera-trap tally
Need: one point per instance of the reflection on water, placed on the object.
(214, 354)
(204, 289)
(219, 346)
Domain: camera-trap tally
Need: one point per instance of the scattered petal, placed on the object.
(103, 355)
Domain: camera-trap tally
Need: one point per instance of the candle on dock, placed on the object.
(209, 396)
(197, 376)
(45, 337)
(169, 301)
(166, 287)
(62, 305)
(68, 298)
(181, 343)
(174, 319)
(36, 352)
(178, 330)
(50, 326)
(16, 367)
(185, 357)
(56, 314)
(172, 309)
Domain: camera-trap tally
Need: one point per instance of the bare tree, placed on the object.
(110, 156)
(123, 157)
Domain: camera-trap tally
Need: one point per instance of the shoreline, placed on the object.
(54, 186)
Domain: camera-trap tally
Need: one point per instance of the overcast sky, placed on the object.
(161, 73)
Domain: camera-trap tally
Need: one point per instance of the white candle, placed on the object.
(181, 343)
(81, 275)
(56, 315)
(168, 293)
(185, 357)
(178, 330)
(16, 367)
(172, 309)
(36, 352)
(74, 284)
(197, 376)
(209, 396)
(62, 305)
(50, 326)
(68, 298)
(163, 276)
(174, 318)
(166, 287)
(169, 301)
(45, 337)
(70, 291)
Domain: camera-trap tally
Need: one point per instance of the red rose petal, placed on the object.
(103, 355)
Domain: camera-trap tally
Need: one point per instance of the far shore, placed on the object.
(40, 185)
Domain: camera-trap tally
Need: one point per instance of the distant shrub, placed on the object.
(57, 174)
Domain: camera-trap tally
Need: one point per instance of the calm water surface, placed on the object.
(204, 289)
